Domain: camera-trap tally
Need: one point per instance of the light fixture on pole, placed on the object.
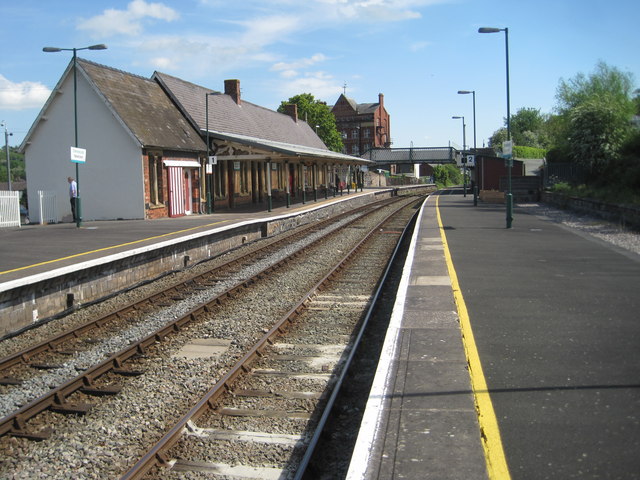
(509, 158)
(210, 195)
(475, 184)
(100, 46)
(7, 134)
(464, 158)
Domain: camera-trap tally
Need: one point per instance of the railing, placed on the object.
(9, 209)
(48, 207)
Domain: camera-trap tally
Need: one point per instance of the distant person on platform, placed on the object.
(73, 195)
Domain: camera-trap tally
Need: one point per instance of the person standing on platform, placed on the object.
(73, 194)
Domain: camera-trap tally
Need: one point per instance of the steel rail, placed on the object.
(16, 422)
(24, 356)
(156, 457)
(304, 463)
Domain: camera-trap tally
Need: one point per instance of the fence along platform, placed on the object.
(48, 207)
(9, 209)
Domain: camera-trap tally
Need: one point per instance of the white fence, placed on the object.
(9, 209)
(48, 207)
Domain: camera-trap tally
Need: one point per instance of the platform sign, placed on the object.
(471, 160)
(78, 155)
(213, 160)
(507, 148)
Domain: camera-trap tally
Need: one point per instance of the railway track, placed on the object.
(53, 354)
(265, 416)
(135, 360)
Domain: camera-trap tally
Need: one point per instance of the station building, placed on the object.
(363, 126)
(147, 154)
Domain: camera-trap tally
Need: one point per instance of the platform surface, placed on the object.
(553, 316)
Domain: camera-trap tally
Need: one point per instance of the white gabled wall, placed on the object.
(111, 181)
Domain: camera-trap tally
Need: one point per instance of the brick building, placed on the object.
(363, 126)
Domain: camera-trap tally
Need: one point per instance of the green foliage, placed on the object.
(623, 172)
(528, 129)
(499, 136)
(17, 165)
(528, 152)
(604, 193)
(316, 112)
(606, 82)
(596, 111)
(446, 175)
(559, 154)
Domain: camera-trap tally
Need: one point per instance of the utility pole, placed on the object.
(6, 146)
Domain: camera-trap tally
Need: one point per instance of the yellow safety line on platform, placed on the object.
(109, 248)
(490, 433)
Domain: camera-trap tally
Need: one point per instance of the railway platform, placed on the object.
(535, 327)
(35, 249)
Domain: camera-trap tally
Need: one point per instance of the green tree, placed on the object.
(596, 113)
(317, 113)
(17, 164)
(445, 175)
(528, 129)
(499, 136)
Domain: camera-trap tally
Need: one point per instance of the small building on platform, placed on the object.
(146, 149)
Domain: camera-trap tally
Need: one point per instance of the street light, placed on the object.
(475, 187)
(6, 146)
(100, 46)
(210, 195)
(510, 159)
(464, 160)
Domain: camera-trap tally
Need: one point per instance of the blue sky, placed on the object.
(418, 53)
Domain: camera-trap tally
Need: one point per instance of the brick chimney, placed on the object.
(232, 88)
(381, 100)
(291, 109)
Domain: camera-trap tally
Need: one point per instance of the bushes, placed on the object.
(528, 152)
(446, 175)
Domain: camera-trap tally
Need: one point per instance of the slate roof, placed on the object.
(359, 108)
(246, 120)
(144, 108)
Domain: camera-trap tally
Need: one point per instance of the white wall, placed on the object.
(111, 181)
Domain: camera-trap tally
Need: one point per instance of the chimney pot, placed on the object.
(232, 88)
(291, 109)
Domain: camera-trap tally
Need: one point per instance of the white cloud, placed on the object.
(373, 10)
(21, 96)
(320, 84)
(129, 21)
(288, 68)
(263, 31)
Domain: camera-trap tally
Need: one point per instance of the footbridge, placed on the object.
(413, 155)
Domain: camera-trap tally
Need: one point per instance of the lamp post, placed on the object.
(100, 46)
(464, 160)
(210, 195)
(475, 184)
(6, 146)
(510, 158)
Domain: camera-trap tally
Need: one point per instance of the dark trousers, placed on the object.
(73, 207)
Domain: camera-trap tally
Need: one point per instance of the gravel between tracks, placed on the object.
(105, 442)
